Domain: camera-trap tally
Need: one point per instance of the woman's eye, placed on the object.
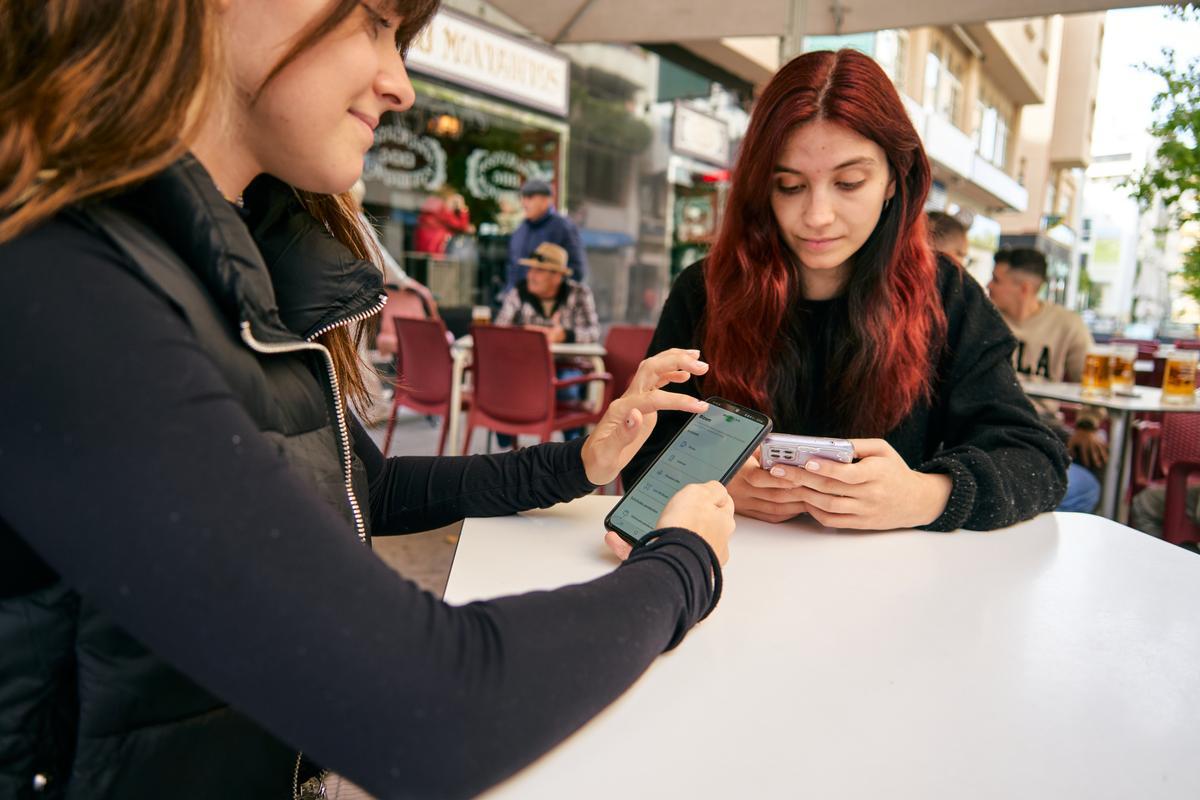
(377, 21)
(789, 189)
(850, 186)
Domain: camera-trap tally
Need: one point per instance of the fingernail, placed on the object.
(702, 364)
(777, 472)
(695, 352)
(814, 466)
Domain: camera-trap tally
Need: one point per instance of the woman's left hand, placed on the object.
(629, 419)
(878, 492)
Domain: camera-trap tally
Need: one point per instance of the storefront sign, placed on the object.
(700, 136)
(402, 160)
(491, 173)
(463, 51)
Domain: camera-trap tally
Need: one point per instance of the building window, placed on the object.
(992, 131)
(943, 84)
(891, 51)
(598, 173)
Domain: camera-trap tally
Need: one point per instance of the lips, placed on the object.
(819, 244)
(367, 119)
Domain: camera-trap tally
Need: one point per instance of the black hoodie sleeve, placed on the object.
(418, 493)
(130, 469)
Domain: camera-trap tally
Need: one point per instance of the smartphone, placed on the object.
(712, 446)
(786, 448)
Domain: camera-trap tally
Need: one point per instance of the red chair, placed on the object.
(403, 303)
(424, 383)
(1187, 344)
(1176, 443)
(624, 348)
(515, 386)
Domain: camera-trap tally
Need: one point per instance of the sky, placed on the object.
(1123, 103)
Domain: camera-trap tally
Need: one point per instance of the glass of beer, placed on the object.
(1123, 358)
(1179, 377)
(1097, 372)
(481, 315)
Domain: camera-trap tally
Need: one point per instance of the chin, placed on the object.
(333, 177)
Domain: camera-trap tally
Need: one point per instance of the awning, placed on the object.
(690, 20)
(605, 240)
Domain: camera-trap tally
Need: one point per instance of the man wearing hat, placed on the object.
(543, 224)
(547, 301)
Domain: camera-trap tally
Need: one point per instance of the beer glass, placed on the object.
(1123, 359)
(1179, 377)
(481, 315)
(1097, 372)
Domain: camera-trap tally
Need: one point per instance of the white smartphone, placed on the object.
(786, 448)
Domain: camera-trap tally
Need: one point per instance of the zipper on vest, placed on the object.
(338, 407)
(315, 787)
(359, 317)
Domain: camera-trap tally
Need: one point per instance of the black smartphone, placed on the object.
(712, 446)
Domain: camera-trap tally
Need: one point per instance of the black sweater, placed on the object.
(131, 473)
(980, 428)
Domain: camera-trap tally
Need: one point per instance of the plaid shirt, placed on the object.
(574, 307)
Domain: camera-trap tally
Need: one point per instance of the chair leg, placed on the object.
(445, 430)
(387, 439)
(467, 438)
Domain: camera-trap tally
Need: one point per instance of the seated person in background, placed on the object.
(822, 304)
(548, 301)
(1149, 509)
(1052, 344)
(948, 236)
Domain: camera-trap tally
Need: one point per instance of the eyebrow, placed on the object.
(862, 161)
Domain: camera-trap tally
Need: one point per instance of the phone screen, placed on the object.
(710, 447)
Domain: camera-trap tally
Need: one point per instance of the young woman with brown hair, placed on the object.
(822, 304)
(185, 599)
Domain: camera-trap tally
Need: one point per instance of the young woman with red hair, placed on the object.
(822, 304)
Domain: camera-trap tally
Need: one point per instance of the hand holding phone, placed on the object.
(786, 448)
(711, 446)
(706, 509)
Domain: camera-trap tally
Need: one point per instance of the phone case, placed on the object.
(785, 448)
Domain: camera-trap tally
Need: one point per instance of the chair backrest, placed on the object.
(514, 374)
(402, 304)
(625, 347)
(1180, 439)
(1187, 344)
(425, 356)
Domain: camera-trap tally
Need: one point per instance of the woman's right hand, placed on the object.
(767, 495)
(706, 509)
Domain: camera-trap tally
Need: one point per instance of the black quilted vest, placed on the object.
(88, 712)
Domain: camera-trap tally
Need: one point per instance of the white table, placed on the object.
(1057, 659)
(461, 351)
(1121, 410)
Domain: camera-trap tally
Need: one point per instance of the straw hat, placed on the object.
(548, 256)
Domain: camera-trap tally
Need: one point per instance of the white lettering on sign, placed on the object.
(402, 160)
(491, 173)
(461, 50)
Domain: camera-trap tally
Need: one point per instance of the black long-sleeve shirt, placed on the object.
(979, 429)
(132, 473)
